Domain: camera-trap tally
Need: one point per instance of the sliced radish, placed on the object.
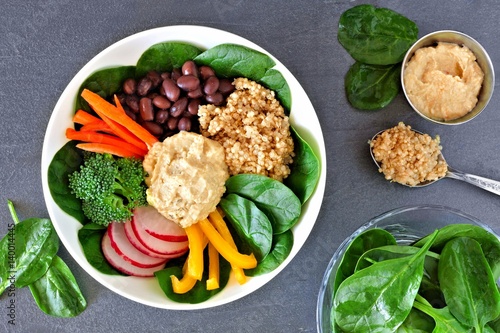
(138, 245)
(121, 264)
(158, 225)
(124, 248)
(157, 245)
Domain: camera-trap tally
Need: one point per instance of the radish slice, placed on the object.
(124, 248)
(158, 226)
(123, 266)
(156, 245)
(138, 245)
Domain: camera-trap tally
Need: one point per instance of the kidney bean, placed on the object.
(161, 102)
(211, 85)
(153, 128)
(130, 114)
(197, 93)
(172, 123)
(188, 82)
(129, 86)
(193, 106)
(143, 86)
(121, 98)
(190, 68)
(176, 73)
(146, 109)
(172, 91)
(225, 87)
(132, 102)
(215, 99)
(155, 78)
(178, 108)
(206, 72)
(161, 116)
(184, 124)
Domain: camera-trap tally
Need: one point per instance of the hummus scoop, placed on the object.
(484, 183)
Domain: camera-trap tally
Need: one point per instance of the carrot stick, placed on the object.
(103, 148)
(95, 137)
(98, 125)
(82, 117)
(103, 107)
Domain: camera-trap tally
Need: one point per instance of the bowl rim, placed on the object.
(483, 60)
(341, 248)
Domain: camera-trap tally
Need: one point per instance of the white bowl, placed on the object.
(127, 52)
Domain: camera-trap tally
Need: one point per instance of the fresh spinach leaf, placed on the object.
(250, 224)
(444, 321)
(281, 248)
(272, 197)
(385, 292)
(365, 241)
(56, 293)
(467, 283)
(372, 87)
(165, 56)
(274, 80)
(305, 169)
(90, 237)
(416, 322)
(377, 36)
(489, 242)
(67, 160)
(7, 259)
(104, 82)
(199, 292)
(495, 325)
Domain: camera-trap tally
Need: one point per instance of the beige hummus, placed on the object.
(186, 177)
(443, 82)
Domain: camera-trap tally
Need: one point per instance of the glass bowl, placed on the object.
(407, 224)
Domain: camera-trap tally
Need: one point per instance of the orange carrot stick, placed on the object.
(103, 148)
(95, 137)
(97, 126)
(82, 117)
(101, 106)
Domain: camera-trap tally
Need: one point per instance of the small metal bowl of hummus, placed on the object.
(447, 77)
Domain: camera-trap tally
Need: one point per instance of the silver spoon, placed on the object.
(484, 183)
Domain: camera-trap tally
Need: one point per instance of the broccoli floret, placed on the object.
(110, 188)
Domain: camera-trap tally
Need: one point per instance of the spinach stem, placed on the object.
(12, 211)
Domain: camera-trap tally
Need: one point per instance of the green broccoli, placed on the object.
(110, 188)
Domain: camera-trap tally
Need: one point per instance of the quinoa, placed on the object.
(408, 157)
(253, 130)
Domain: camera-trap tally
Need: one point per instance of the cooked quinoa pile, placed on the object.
(408, 157)
(253, 129)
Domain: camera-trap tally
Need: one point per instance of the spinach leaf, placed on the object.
(250, 224)
(365, 241)
(467, 283)
(444, 321)
(385, 293)
(305, 169)
(274, 80)
(281, 248)
(489, 242)
(7, 259)
(56, 293)
(495, 325)
(377, 36)
(372, 87)
(105, 82)
(165, 56)
(67, 160)
(276, 200)
(416, 322)
(90, 237)
(199, 292)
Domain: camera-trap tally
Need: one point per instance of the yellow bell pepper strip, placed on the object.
(185, 284)
(223, 247)
(217, 221)
(213, 268)
(196, 246)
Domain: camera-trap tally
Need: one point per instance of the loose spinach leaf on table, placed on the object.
(57, 293)
(276, 200)
(377, 36)
(467, 283)
(165, 56)
(249, 223)
(372, 87)
(281, 248)
(67, 160)
(385, 293)
(90, 237)
(305, 169)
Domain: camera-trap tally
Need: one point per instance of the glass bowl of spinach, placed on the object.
(392, 236)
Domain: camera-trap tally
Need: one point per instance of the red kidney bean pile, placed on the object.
(166, 103)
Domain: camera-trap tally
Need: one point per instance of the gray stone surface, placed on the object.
(43, 44)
